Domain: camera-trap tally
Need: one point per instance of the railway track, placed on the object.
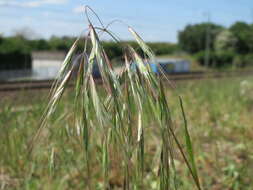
(46, 84)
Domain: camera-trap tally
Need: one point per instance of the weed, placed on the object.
(118, 119)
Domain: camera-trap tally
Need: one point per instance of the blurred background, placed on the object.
(36, 34)
(205, 47)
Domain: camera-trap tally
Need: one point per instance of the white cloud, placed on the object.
(33, 3)
(12, 3)
(79, 9)
(38, 3)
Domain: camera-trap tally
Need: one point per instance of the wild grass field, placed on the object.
(219, 114)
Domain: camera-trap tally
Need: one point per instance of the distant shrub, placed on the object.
(216, 59)
(201, 56)
(113, 49)
(238, 61)
(248, 60)
(224, 58)
(40, 45)
(243, 60)
(160, 48)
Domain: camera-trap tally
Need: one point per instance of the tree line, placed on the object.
(15, 51)
(216, 45)
(211, 44)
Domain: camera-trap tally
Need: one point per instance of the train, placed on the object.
(168, 66)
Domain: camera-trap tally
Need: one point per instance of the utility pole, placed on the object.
(208, 40)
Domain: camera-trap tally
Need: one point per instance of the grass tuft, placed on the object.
(117, 115)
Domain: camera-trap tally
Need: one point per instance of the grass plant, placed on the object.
(219, 116)
(117, 117)
(116, 135)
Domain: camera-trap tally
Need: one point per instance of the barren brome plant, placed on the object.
(122, 120)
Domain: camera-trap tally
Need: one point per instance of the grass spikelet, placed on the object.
(114, 117)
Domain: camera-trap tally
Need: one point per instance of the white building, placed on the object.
(46, 65)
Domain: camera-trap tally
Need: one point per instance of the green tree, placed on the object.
(60, 43)
(225, 41)
(244, 35)
(161, 48)
(193, 38)
(14, 44)
(43, 44)
(113, 49)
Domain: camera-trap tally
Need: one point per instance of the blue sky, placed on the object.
(154, 20)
